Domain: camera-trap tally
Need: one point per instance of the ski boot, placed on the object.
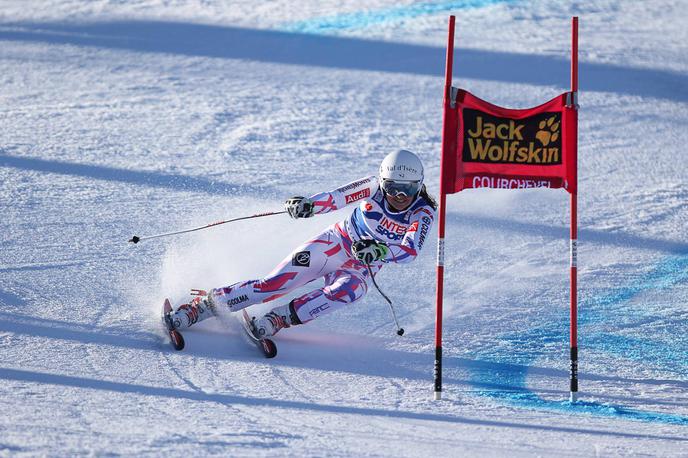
(278, 318)
(198, 309)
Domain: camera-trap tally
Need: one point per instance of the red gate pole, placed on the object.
(574, 217)
(442, 210)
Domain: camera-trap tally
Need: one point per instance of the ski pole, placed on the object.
(137, 239)
(400, 330)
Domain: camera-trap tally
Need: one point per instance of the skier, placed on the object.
(389, 225)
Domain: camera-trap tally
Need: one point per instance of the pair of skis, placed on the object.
(266, 346)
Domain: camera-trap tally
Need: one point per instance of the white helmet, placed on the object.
(401, 172)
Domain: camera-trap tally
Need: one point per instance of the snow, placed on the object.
(122, 118)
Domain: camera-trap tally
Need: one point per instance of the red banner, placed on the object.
(493, 147)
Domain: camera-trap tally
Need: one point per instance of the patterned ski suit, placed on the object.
(329, 254)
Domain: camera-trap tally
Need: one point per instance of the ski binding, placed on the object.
(265, 345)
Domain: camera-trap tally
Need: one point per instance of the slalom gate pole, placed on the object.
(442, 212)
(574, 220)
(137, 239)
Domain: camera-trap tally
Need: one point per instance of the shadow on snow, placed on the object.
(329, 356)
(135, 177)
(269, 46)
(562, 233)
(228, 399)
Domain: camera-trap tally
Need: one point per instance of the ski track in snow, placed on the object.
(143, 117)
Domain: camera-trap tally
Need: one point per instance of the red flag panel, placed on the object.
(495, 147)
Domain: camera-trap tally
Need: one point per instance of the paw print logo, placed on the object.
(549, 131)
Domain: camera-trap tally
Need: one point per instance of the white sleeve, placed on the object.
(355, 191)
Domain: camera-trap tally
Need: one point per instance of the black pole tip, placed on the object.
(400, 332)
(135, 239)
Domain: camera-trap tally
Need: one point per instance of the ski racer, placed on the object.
(390, 224)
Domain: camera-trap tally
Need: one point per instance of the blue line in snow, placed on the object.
(530, 400)
(362, 19)
(669, 272)
(664, 349)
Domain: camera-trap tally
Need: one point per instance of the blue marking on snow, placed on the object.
(669, 272)
(529, 400)
(669, 355)
(363, 19)
(609, 316)
(601, 326)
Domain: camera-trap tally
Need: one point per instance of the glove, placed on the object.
(299, 207)
(368, 251)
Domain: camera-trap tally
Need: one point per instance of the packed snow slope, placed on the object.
(122, 118)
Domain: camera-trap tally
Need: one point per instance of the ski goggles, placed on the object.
(397, 188)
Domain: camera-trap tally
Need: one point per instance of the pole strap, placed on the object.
(574, 369)
(440, 252)
(574, 252)
(454, 92)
